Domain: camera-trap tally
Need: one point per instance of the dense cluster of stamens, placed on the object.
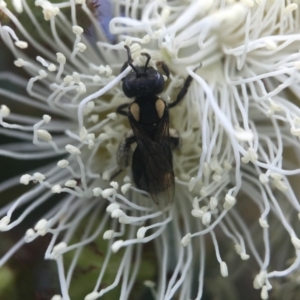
(239, 125)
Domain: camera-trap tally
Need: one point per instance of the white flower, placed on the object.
(239, 125)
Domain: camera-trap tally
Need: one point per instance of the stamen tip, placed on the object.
(117, 245)
(186, 239)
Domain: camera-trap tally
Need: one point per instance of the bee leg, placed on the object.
(175, 140)
(183, 90)
(124, 152)
(163, 68)
(121, 109)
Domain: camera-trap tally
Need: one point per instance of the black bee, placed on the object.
(152, 163)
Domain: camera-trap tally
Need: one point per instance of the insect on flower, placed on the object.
(148, 115)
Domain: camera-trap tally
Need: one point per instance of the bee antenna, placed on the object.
(148, 59)
(129, 59)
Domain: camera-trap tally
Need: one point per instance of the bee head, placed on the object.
(141, 80)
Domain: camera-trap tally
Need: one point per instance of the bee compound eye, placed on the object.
(160, 83)
(128, 88)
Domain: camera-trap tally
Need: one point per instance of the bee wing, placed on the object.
(157, 175)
